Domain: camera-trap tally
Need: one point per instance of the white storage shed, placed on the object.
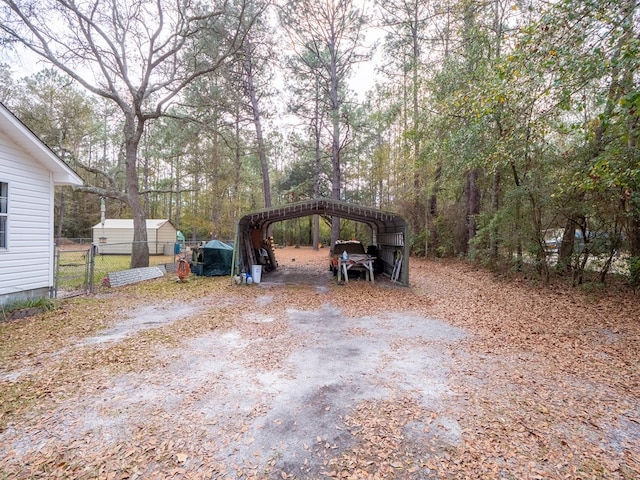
(116, 237)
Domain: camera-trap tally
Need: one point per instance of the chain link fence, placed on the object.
(82, 268)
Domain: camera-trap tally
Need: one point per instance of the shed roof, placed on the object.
(36, 148)
(125, 223)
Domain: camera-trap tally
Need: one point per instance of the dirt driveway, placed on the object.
(459, 375)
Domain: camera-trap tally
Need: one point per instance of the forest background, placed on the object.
(492, 126)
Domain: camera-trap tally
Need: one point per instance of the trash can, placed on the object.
(176, 248)
(256, 273)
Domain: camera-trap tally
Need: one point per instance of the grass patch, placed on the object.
(37, 305)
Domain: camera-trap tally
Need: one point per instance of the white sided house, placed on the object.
(29, 171)
(115, 237)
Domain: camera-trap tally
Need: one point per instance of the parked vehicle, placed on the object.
(351, 247)
(553, 239)
(599, 242)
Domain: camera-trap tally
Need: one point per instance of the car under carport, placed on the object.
(390, 233)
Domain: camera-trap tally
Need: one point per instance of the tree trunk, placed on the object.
(335, 144)
(215, 174)
(472, 207)
(316, 168)
(566, 247)
(255, 110)
(145, 184)
(172, 186)
(433, 239)
(495, 190)
(541, 254)
(634, 233)
(633, 120)
(517, 223)
(415, 60)
(178, 193)
(495, 207)
(140, 249)
(237, 152)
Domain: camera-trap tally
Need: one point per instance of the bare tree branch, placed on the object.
(103, 192)
(132, 53)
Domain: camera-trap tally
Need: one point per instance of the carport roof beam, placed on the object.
(382, 221)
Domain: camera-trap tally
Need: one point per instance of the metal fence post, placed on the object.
(91, 259)
(56, 274)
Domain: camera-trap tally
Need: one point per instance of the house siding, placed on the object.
(26, 265)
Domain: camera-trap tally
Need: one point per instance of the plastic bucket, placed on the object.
(256, 273)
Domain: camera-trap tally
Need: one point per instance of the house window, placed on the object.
(4, 199)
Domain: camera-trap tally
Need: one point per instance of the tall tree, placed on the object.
(136, 54)
(308, 103)
(583, 56)
(408, 25)
(6, 84)
(65, 119)
(256, 52)
(326, 37)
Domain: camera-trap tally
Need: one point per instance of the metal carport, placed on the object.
(390, 230)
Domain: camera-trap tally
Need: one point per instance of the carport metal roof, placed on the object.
(390, 230)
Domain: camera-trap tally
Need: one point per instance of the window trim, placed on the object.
(4, 242)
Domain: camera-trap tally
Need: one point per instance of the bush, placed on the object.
(42, 304)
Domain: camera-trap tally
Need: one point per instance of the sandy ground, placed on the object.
(310, 379)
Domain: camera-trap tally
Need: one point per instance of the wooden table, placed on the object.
(365, 261)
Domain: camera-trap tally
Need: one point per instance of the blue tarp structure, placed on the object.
(213, 259)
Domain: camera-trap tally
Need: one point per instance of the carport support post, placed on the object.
(404, 266)
(234, 257)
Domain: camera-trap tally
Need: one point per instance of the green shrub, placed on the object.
(44, 304)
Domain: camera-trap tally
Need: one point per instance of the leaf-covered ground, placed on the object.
(461, 375)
